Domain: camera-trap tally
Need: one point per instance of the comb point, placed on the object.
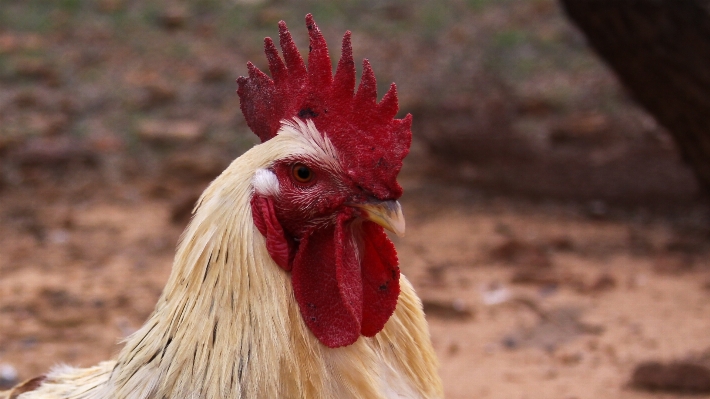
(367, 90)
(389, 105)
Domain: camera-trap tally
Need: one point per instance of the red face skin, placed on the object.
(302, 205)
(344, 269)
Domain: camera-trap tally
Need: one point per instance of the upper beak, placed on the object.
(387, 214)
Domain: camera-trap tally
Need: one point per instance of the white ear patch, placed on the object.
(265, 183)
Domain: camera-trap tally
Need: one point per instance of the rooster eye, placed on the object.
(302, 173)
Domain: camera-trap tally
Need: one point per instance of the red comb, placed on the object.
(371, 143)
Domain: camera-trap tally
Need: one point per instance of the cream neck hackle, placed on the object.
(227, 324)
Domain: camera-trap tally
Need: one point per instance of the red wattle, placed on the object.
(339, 296)
(380, 278)
(278, 245)
(328, 286)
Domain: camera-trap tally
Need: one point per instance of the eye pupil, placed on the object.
(302, 173)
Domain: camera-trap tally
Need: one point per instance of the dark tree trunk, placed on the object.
(660, 49)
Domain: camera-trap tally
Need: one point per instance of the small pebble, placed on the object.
(8, 376)
(495, 294)
(510, 342)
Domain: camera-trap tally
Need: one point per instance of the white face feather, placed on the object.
(266, 183)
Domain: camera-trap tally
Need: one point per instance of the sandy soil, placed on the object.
(524, 300)
(561, 306)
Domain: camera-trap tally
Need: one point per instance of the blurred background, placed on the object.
(557, 237)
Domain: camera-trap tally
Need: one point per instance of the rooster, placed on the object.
(284, 284)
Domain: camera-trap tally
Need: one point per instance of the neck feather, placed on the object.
(226, 307)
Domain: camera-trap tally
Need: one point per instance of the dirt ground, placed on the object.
(554, 234)
(561, 305)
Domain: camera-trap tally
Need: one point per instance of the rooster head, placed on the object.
(322, 211)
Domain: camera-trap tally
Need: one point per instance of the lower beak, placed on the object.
(387, 214)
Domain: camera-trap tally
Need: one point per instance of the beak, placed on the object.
(387, 214)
